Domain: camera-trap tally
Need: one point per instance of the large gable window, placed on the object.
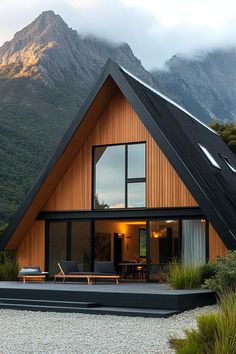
(119, 176)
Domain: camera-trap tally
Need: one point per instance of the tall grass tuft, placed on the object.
(8, 266)
(184, 275)
(215, 333)
(225, 341)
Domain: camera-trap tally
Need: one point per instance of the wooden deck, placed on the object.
(132, 299)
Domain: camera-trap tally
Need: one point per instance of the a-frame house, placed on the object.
(135, 177)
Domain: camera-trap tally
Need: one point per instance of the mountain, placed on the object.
(46, 50)
(48, 69)
(122, 54)
(205, 84)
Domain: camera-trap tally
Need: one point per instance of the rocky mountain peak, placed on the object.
(40, 30)
(40, 50)
(49, 16)
(46, 26)
(45, 21)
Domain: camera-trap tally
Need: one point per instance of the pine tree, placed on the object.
(228, 133)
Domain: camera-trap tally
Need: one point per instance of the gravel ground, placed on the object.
(28, 332)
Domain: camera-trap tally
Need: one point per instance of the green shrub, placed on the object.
(208, 270)
(184, 275)
(224, 279)
(215, 333)
(8, 266)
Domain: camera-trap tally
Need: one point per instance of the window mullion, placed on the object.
(136, 180)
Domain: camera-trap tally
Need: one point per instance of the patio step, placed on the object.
(144, 300)
(46, 303)
(99, 310)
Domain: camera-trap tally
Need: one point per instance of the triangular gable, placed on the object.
(171, 127)
(119, 124)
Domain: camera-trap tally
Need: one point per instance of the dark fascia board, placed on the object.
(115, 71)
(160, 213)
(20, 212)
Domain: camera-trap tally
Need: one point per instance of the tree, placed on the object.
(98, 204)
(3, 229)
(227, 131)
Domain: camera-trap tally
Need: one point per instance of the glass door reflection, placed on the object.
(163, 246)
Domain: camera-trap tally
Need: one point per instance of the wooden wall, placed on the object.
(119, 124)
(31, 250)
(216, 245)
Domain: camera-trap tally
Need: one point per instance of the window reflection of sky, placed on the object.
(110, 177)
(136, 161)
(136, 195)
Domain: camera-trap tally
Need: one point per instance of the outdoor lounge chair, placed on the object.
(31, 273)
(102, 270)
(105, 270)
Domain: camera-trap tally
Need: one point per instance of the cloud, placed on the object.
(155, 29)
(16, 14)
(212, 13)
(183, 26)
(85, 3)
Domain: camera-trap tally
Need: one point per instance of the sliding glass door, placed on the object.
(80, 244)
(57, 245)
(152, 243)
(68, 241)
(163, 240)
(170, 239)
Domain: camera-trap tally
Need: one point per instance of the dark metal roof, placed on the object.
(214, 189)
(178, 134)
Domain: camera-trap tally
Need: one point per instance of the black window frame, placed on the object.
(127, 180)
(145, 230)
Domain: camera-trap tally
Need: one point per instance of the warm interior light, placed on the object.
(160, 233)
(203, 220)
(155, 234)
(135, 223)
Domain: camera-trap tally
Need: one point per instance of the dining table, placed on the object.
(132, 268)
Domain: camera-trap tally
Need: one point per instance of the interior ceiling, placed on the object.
(135, 223)
(166, 223)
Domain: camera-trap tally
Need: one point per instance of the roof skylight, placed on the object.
(233, 169)
(210, 157)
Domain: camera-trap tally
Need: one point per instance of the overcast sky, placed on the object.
(155, 29)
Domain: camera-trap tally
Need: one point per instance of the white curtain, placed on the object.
(193, 241)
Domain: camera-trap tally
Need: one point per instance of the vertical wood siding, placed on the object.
(31, 250)
(119, 124)
(216, 245)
